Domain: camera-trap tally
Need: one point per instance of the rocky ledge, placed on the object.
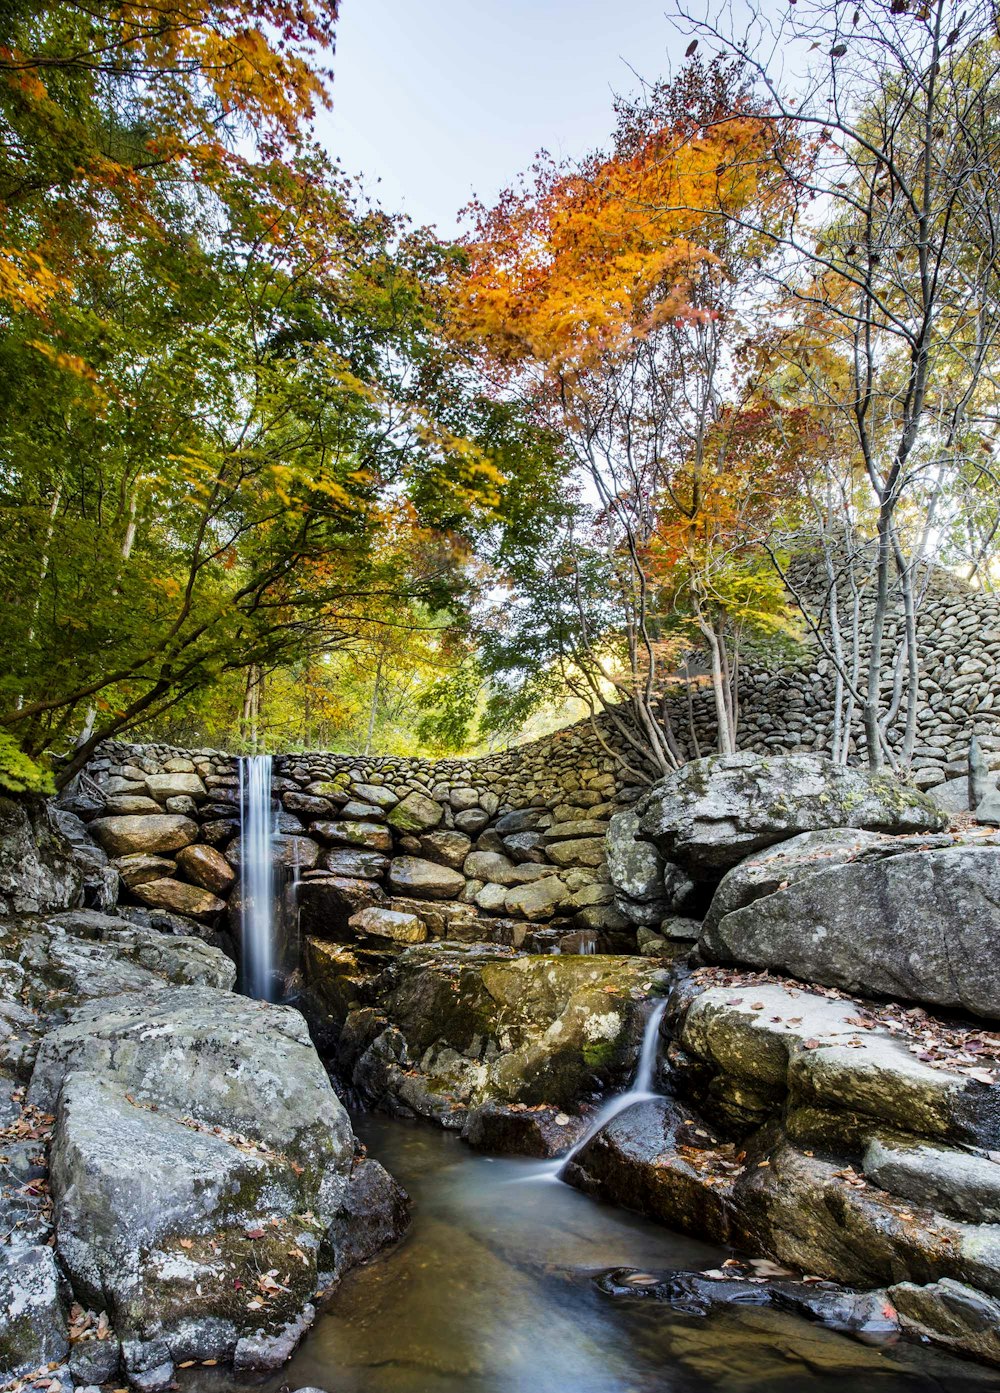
(182, 1181)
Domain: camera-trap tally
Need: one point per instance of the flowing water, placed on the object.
(492, 1292)
(257, 879)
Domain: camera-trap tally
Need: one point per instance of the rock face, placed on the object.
(922, 926)
(715, 811)
(37, 869)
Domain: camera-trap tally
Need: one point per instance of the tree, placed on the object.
(617, 296)
(889, 260)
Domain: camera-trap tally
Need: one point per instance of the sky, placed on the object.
(444, 99)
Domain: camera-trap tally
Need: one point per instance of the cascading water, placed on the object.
(640, 1090)
(257, 879)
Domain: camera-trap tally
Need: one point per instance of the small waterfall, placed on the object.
(640, 1090)
(257, 879)
(587, 942)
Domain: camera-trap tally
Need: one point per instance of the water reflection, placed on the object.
(491, 1293)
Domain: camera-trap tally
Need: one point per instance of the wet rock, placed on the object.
(713, 812)
(268, 1348)
(206, 867)
(180, 898)
(951, 1314)
(646, 1159)
(370, 1212)
(289, 851)
(471, 821)
(416, 813)
(159, 832)
(308, 804)
(929, 921)
(411, 875)
(514, 1129)
(356, 811)
(389, 923)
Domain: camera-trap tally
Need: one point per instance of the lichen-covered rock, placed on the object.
(33, 1311)
(450, 848)
(634, 864)
(538, 900)
(416, 813)
(367, 835)
(715, 811)
(38, 870)
(921, 926)
(389, 924)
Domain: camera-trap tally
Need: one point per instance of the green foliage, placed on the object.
(19, 773)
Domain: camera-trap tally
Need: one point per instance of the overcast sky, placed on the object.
(441, 99)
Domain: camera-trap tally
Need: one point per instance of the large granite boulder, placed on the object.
(922, 925)
(713, 812)
(213, 1247)
(154, 833)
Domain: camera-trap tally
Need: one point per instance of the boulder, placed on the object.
(514, 1129)
(472, 820)
(411, 875)
(357, 811)
(539, 900)
(713, 812)
(950, 1314)
(100, 880)
(159, 832)
(579, 851)
(371, 1211)
(180, 898)
(378, 794)
(128, 804)
(416, 813)
(206, 867)
(355, 865)
(309, 804)
(939, 1177)
(366, 835)
(447, 848)
(494, 869)
(38, 870)
(635, 865)
(138, 867)
(33, 1312)
(389, 923)
(182, 960)
(174, 785)
(921, 925)
(288, 850)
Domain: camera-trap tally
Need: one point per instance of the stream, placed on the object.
(491, 1292)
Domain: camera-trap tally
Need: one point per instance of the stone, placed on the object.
(570, 831)
(980, 781)
(952, 795)
(356, 811)
(33, 1312)
(463, 798)
(450, 848)
(411, 875)
(206, 867)
(289, 850)
(329, 789)
(675, 926)
(220, 831)
(378, 794)
(491, 868)
(635, 865)
(580, 851)
(389, 923)
(38, 870)
(327, 903)
(519, 846)
(939, 1177)
(951, 1314)
(513, 1129)
(416, 813)
(100, 880)
(929, 922)
(713, 812)
(308, 804)
(164, 786)
(491, 897)
(521, 820)
(179, 898)
(471, 821)
(178, 959)
(367, 835)
(644, 1160)
(119, 836)
(539, 900)
(371, 1212)
(131, 804)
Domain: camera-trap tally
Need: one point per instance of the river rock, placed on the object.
(950, 1314)
(920, 926)
(154, 834)
(713, 812)
(411, 875)
(131, 804)
(939, 1177)
(389, 923)
(514, 1129)
(180, 898)
(472, 820)
(139, 867)
(416, 813)
(370, 1211)
(206, 867)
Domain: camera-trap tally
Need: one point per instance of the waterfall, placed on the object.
(640, 1090)
(257, 879)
